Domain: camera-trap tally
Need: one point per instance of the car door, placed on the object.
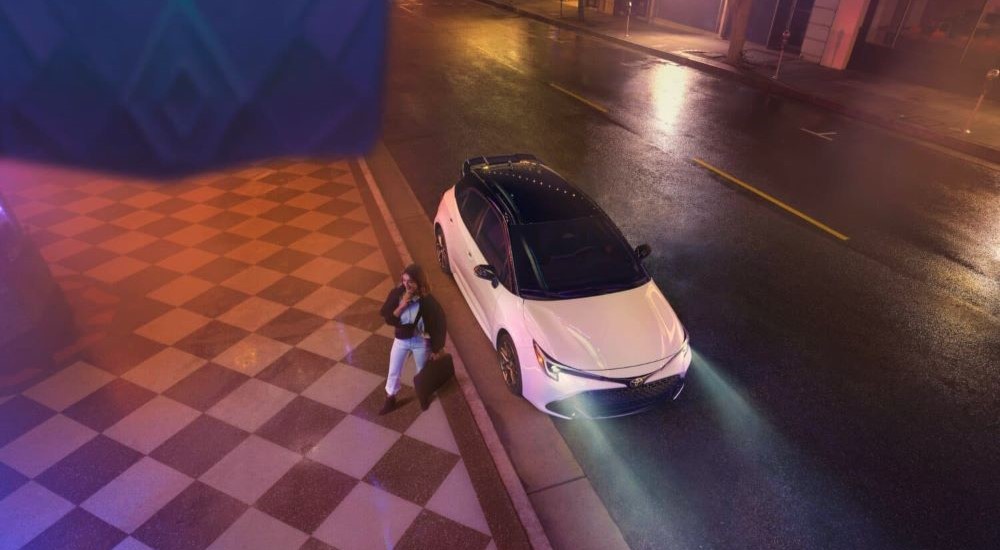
(493, 249)
(462, 247)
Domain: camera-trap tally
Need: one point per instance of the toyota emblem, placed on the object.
(636, 382)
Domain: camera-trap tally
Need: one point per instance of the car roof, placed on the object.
(528, 191)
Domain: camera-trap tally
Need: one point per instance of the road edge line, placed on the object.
(512, 483)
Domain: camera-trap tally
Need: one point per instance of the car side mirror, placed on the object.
(642, 251)
(487, 272)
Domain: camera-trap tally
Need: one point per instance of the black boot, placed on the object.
(389, 406)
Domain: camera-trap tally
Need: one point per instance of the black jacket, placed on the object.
(433, 316)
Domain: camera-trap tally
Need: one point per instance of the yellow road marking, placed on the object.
(597, 106)
(773, 200)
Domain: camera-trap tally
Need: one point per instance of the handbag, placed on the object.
(432, 377)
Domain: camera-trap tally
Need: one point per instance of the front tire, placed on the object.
(510, 367)
(442, 251)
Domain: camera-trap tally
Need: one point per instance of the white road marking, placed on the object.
(821, 135)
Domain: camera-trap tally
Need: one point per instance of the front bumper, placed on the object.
(615, 402)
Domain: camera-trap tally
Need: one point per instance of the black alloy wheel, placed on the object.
(442, 251)
(510, 368)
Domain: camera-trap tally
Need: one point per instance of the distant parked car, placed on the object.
(34, 317)
(580, 328)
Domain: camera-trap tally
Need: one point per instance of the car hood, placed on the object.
(606, 332)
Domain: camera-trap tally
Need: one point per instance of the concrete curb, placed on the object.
(512, 483)
(977, 150)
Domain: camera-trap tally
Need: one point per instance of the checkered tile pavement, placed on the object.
(224, 388)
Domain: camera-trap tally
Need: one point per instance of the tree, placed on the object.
(740, 16)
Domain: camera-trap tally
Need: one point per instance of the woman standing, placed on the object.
(420, 327)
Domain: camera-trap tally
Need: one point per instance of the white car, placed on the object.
(580, 328)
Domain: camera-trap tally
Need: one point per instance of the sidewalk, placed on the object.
(925, 113)
(224, 388)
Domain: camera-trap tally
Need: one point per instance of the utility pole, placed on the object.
(738, 34)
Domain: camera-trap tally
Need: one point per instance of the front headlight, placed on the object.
(551, 368)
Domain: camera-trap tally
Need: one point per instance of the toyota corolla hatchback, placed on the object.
(580, 328)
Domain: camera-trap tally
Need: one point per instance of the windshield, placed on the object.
(573, 258)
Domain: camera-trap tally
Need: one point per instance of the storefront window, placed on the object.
(956, 28)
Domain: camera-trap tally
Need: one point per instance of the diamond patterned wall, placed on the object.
(166, 86)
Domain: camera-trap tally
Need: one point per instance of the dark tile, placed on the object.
(225, 220)
(117, 354)
(19, 415)
(192, 520)
(134, 313)
(357, 279)
(283, 213)
(278, 178)
(92, 466)
(363, 313)
(336, 207)
(171, 206)
(227, 200)
(112, 212)
(349, 252)
(215, 301)
(301, 424)
(206, 386)
(122, 192)
(229, 182)
(412, 469)
(156, 251)
(50, 217)
(199, 445)
(296, 370)
(43, 237)
(399, 419)
(87, 259)
(286, 260)
(431, 530)
(329, 173)
(99, 234)
(163, 227)
(219, 269)
(291, 326)
(222, 243)
(146, 281)
(288, 290)
(371, 355)
(282, 194)
(284, 235)
(277, 163)
(332, 189)
(314, 544)
(211, 340)
(77, 530)
(10, 480)
(64, 196)
(343, 227)
(106, 406)
(306, 495)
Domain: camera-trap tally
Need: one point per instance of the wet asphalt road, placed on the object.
(844, 394)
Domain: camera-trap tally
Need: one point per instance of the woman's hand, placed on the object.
(435, 355)
(403, 302)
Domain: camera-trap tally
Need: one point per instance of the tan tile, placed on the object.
(117, 269)
(99, 186)
(353, 195)
(187, 260)
(163, 370)
(311, 220)
(308, 201)
(252, 355)
(254, 188)
(252, 279)
(192, 235)
(254, 207)
(381, 290)
(252, 313)
(137, 219)
(29, 511)
(432, 427)
(127, 242)
(327, 302)
(343, 387)
(354, 446)
(151, 424)
(145, 200)
(75, 226)
(253, 172)
(368, 518)
(334, 340)
(253, 251)
(88, 204)
(199, 212)
(46, 444)
(63, 248)
(456, 500)
(316, 243)
(366, 236)
(250, 469)
(374, 262)
(137, 494)
(305, 183)
(203, 193)
(172, 326)
(180, 290)
(249, 406)
(69, 385)
(320, 270)
(253, 228)
(303, 168)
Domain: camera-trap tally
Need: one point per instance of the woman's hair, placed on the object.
(417, 274)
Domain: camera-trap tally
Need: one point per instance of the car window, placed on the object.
(492, 241)
(470, 208)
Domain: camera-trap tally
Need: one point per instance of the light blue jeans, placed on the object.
(401, 349)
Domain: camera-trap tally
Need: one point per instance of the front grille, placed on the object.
(618, 401)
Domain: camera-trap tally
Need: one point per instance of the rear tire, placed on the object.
(510, 367)
(442, 251)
